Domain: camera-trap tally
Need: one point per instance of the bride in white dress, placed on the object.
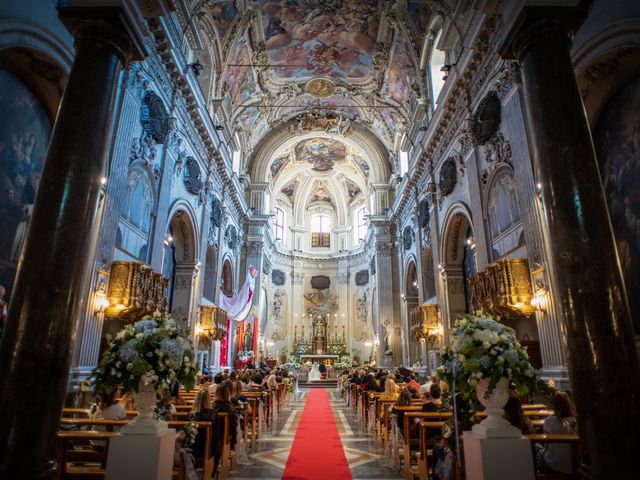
(314, 374)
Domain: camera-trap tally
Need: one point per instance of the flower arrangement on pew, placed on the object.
(152, 351)
(483, 351)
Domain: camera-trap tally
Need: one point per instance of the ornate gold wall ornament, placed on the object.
(135, 290)
(425, 323)
(213, 324)
(504, 289)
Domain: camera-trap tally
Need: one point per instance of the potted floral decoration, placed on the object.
(245, 355)
(482, 357)
(146, 358)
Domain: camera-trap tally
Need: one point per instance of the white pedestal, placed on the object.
(497, 458)
(141, 457)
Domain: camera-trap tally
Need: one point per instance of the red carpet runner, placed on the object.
(317, 451)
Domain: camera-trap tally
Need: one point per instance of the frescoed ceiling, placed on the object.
(316, 65)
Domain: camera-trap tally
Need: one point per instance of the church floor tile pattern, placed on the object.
(269, 456)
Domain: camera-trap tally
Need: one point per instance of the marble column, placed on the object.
(47, 298)
(587, 281)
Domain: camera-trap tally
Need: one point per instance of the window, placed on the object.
(404, 163)
(360, 226)
(135, 216)
(504, 210)
(279, 225)
(438, 60)
(321, 231)
(235, 161)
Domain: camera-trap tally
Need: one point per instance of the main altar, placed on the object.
(322, 341)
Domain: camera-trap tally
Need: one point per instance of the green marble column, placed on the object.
(603, 362)
(36, 346)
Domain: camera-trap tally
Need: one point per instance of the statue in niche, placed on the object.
(277, 313)
(319, 302)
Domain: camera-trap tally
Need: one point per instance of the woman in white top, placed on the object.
(108, 408)
(557, 457)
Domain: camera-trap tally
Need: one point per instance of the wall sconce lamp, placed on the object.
(101, 303)
(539, 299)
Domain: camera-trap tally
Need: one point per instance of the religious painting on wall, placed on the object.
(321, 152)
(334, 39)
(25, 130)
(617, 142)
(401, 75)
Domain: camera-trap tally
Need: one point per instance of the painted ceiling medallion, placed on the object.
(320, 87)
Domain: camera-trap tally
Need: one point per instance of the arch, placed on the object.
(25, 46)
(185, 231)
(456, 221)
(227, 278)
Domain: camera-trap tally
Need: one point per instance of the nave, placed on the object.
(272, 454)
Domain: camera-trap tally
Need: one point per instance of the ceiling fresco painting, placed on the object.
(223, 13)
(419, 15)
(322, 153)
(401, 75)
(239, 79)
(278, 164)
(307, 103)
(333, 38)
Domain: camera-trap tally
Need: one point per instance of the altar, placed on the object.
(328, 359)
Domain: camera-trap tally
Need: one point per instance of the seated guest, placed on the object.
(390, 390)
(370, 383)
(433, 403)
(217, 380)
(412, 381)
(404, 400)
(108, 408)
(240, 400)
(426, 386)
(413, 392)
(222, 404)
(556, 458)
(516, 417)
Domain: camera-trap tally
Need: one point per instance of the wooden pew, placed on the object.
(430, 434)
(571, 438)
(89, 462)
(409, 418)
(205, 466)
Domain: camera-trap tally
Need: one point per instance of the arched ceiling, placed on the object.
(300, 61)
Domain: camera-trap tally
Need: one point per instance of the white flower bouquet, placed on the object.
(481, 347)
(152, 351)
(245, 355)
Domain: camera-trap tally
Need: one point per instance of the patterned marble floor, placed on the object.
(270, 454)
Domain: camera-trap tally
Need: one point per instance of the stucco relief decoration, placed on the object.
(362, 278)
(216, 212)
(231, 237)
(407, 238)
(361, 331)
(154, 117)
(278, 277)
(144, 149)
(192, 176)
(372, 265)
(423, 213)
(487, 118)
(497, 152)
(320, 302)
(278, 307)
(448, 177)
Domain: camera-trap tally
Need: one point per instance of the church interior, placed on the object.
(300, 239)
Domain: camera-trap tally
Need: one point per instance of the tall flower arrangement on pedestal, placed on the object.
(153, 352)
(483, 351)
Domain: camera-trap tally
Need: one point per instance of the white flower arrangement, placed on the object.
(481, 347)
(245, 355)
(152, 351)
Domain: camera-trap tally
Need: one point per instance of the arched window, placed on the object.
(279, 224)
(437, 61)
(135, 216)
(504, 210)
(360, 226)
(209, 290)
(320, 231)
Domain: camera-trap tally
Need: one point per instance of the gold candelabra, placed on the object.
(135, 290)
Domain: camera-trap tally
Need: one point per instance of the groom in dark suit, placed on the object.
(323, 370)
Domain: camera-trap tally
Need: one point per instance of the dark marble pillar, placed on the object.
(588, 284)
(36, 345)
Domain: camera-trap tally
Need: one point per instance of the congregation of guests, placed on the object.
(434, 396)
